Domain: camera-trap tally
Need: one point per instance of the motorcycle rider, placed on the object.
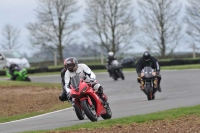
(83, 70)
(109, 60)
(12, 68)
(148, 60)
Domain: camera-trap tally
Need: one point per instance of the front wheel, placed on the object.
(114, 76)
(149, 91)
(108, 113)
(79, 112)
(121, 74)
(89, 110)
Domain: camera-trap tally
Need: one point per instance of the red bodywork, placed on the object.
(86, 92)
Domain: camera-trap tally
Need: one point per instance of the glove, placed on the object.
(86, 79)
(90, 81)
(157, 73)
(139, 74)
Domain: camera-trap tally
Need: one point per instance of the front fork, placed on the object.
(155, 83)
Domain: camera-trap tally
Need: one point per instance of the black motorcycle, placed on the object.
(149, 81)
(116, 70)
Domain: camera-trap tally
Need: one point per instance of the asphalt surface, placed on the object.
(179, 89)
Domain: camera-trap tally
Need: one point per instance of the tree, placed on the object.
(54, 29)
(110, 24)
(193, 23)
(11, 36)
(160, 32)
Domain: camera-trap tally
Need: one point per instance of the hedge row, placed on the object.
(178, 62)
(46, 69)
(95, 67)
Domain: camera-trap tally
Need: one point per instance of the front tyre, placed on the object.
(114, 76)
(121, 74)
(89, 110)
(149, 91)
(79, 112)
(108, 113)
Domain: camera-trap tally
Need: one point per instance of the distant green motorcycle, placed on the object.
(21, 75)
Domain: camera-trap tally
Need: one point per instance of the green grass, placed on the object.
(168, 114)
(21, 83)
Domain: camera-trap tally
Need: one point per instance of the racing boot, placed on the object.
(153, 96)
(159, 88)
(63, 96)
(102, 96)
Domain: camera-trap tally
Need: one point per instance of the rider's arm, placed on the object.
(139, 66)
(156, 65)
(62, 74)
(88, 72)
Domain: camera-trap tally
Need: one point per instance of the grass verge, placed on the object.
(168, 115)
(34, 84)
(20, 100)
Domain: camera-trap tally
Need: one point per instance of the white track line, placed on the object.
(35, 116)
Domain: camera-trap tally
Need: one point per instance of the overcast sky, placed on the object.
(19, 13)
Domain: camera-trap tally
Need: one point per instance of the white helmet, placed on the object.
(110, 53)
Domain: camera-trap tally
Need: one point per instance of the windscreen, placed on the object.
(147, 72)
(75, 81)
(115, 63)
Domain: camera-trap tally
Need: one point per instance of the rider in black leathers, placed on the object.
(63, 95)
(109, 60)
(148, 60)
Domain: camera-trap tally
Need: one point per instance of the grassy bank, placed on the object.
(20, 100)
(162, 115)
(30, 84)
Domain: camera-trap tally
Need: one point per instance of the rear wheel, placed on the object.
(108, 113)
(89, 110)
(79, 112)
(27, 79)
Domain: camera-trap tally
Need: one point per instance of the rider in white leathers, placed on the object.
(83, 70)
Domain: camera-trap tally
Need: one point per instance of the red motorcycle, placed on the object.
(84, 98)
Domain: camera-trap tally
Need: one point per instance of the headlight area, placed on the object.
(83, 90)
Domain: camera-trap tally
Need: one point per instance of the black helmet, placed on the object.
(71, 64)
(146, 56)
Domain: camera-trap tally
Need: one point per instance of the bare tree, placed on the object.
(193, 22)
(11, 36)
(110, 24)
(161, 32)
(54, 29)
